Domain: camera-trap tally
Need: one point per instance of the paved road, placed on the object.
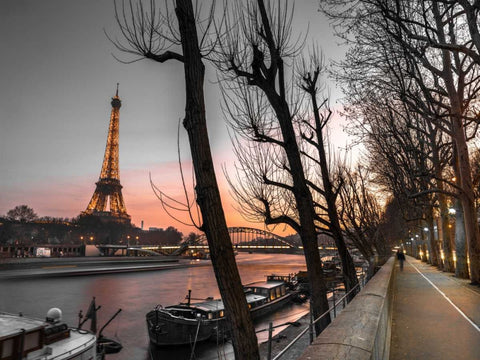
(435, 316)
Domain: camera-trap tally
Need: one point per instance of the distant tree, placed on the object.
(173, 235)
(21, 213)
(360, 214)
(191, 238)
(393, 226)
(6, 232)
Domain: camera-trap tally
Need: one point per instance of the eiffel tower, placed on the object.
(107, 201)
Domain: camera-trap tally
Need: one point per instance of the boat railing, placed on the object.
(345, 299)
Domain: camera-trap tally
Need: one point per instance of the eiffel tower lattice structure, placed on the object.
(107, 201)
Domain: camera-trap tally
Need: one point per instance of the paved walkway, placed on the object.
(435, 316)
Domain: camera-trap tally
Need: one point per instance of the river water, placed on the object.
(138, 293)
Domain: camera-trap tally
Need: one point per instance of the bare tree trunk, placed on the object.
(461, 269)
(444, 234)
(464, 174)
(208, 195)
(433, 245)
(467, 197)
(306, 211)
(448, 264)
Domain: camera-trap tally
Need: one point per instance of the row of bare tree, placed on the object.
(411, 78)
(272, 100)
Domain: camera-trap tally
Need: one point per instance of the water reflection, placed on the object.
(137, 293)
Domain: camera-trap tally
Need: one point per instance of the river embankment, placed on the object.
(11, 268)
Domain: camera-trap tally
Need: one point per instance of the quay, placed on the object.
(418, 313)
(15, 268)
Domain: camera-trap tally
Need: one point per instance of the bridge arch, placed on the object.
(250, 237)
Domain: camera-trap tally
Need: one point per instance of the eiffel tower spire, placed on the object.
(107, 200)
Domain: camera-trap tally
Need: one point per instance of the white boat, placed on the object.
(25, 338)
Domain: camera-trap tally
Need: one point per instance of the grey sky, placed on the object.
(57, 77)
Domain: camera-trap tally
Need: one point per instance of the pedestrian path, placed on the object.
(435, 315)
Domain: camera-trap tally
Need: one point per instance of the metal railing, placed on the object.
(310, 327)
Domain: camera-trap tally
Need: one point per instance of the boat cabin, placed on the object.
(271, 290)
(29, 338)
(19, 336)
(212, 309)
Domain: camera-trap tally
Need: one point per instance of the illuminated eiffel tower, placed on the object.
(107, 201)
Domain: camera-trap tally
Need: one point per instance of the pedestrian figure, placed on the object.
(401, 258)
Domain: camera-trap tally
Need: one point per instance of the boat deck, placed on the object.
(79, 341)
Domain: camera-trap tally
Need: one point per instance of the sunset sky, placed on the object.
(58, 76)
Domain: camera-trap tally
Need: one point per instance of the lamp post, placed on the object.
(84, 247)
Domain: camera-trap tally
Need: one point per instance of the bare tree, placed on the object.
(458, 75)
(251, 60)
(21, 213)
(313, 133)
(151, 33)
(361, 214)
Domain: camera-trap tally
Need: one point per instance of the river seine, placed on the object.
(137, 293)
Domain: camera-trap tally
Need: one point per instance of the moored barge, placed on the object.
(188, 323)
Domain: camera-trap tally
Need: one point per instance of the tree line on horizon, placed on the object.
(22, 226)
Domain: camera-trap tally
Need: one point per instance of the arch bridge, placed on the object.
(243, 239)
(246, 238)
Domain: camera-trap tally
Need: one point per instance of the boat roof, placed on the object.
(216, 305)
(212, 305)
(11, 324)
(265, 284)
(209, 305)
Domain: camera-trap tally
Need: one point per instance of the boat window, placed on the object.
(278, 291)
(272, 294)
(221, 313)
(7, 348)
(32, 340)
(283, 289)
(210, 316)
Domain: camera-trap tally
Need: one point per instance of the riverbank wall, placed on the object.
(363, 329)
(64, 267)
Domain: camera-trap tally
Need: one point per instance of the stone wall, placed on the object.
(363, 329)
